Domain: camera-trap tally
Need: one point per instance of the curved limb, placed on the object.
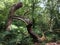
(35, 37)
(11, 14)
(29, 23)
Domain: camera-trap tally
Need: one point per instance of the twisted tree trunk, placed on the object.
(28, 22)
(11, 14)
(35, 37)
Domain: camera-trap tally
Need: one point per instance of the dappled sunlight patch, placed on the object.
(21, 27)
(24, 30)
(2, 5)
(10, 1)
(13, 27)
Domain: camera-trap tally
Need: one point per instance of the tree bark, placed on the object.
(11, 14)
(35, 37)
(28, 22)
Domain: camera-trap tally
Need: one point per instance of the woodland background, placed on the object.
(45, 15)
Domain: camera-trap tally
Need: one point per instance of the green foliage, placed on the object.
(46, 15)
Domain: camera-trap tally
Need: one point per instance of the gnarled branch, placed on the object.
(35, 37)
(25, 20)
(11, 14)
(28, 22)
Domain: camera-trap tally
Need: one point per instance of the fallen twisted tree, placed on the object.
(28, 22)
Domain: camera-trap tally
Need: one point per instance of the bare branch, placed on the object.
(25, 20)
